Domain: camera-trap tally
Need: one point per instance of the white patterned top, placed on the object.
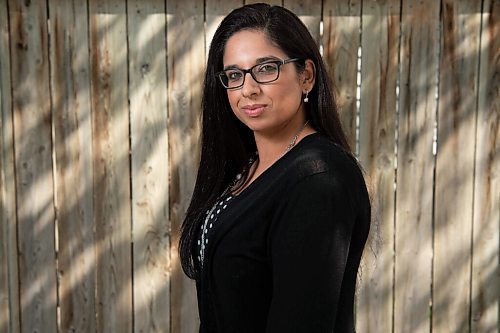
(211, 218)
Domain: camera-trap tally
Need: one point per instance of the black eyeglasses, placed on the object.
(265, 72)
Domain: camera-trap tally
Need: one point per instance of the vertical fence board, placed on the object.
(485, 272)
(454, 165)
(34, 181)
(148, 109)
(70, 93)
(97, 214)
(9, 292)
(110, 144)
(185, 68)
(414, 199)
(215, 11)
(309, 12)
(380, 32)
(341, 38)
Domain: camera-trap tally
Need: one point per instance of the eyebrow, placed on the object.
(257, 61)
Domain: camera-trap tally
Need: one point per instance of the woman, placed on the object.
(280, 212)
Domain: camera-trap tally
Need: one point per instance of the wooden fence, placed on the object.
(99, 113)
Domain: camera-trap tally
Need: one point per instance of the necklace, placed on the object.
(256, 158)
(239, 176)
(294, 139)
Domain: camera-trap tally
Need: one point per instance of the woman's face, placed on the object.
(264, 107)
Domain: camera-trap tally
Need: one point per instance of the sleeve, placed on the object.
(309, 244)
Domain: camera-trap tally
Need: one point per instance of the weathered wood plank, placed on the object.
(309, 12)
(485, 271)
(185, 76)
(380, 32)
(33, 155)
(9, 291)
(341, 40)
(455, 165)
(467, 171)
(110, 146)
(69, 59)
(414, 199)
(150, 187)
(215, 11)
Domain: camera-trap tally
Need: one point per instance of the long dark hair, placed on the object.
(226, 143)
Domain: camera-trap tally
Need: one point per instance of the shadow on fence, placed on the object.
(79, 100)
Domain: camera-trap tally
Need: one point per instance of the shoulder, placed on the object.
(318, 155)
(322, 183)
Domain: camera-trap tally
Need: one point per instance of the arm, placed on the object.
(309, 244)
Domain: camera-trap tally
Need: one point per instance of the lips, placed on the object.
(254, 110)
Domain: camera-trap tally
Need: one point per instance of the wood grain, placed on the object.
(110, 146)
(454, 165)
(33, 160)
(309, 12)
(185, 76)
(379, 62)
(113, 98)
(150, 187)
(9, 288)
(70, 94)
(415, 167)
(341, 40)
(215, 11)
(485, 271)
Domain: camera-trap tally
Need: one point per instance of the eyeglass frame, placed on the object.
(279, 62)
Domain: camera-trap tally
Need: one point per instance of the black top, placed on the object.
(284, 255)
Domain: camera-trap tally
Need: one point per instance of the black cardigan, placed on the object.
(284, 255)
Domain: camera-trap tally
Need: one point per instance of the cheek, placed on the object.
(233, 99)
(287, 99)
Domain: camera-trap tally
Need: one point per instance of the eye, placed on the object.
(234, 75)
(268, 68)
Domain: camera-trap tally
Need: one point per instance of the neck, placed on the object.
(272, 147)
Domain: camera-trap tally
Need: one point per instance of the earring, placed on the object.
(306, 99)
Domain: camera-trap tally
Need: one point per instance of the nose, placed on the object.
(250, 86)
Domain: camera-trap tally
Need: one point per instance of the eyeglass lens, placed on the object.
(261, 73)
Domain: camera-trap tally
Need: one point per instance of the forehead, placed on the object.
(244, 47)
